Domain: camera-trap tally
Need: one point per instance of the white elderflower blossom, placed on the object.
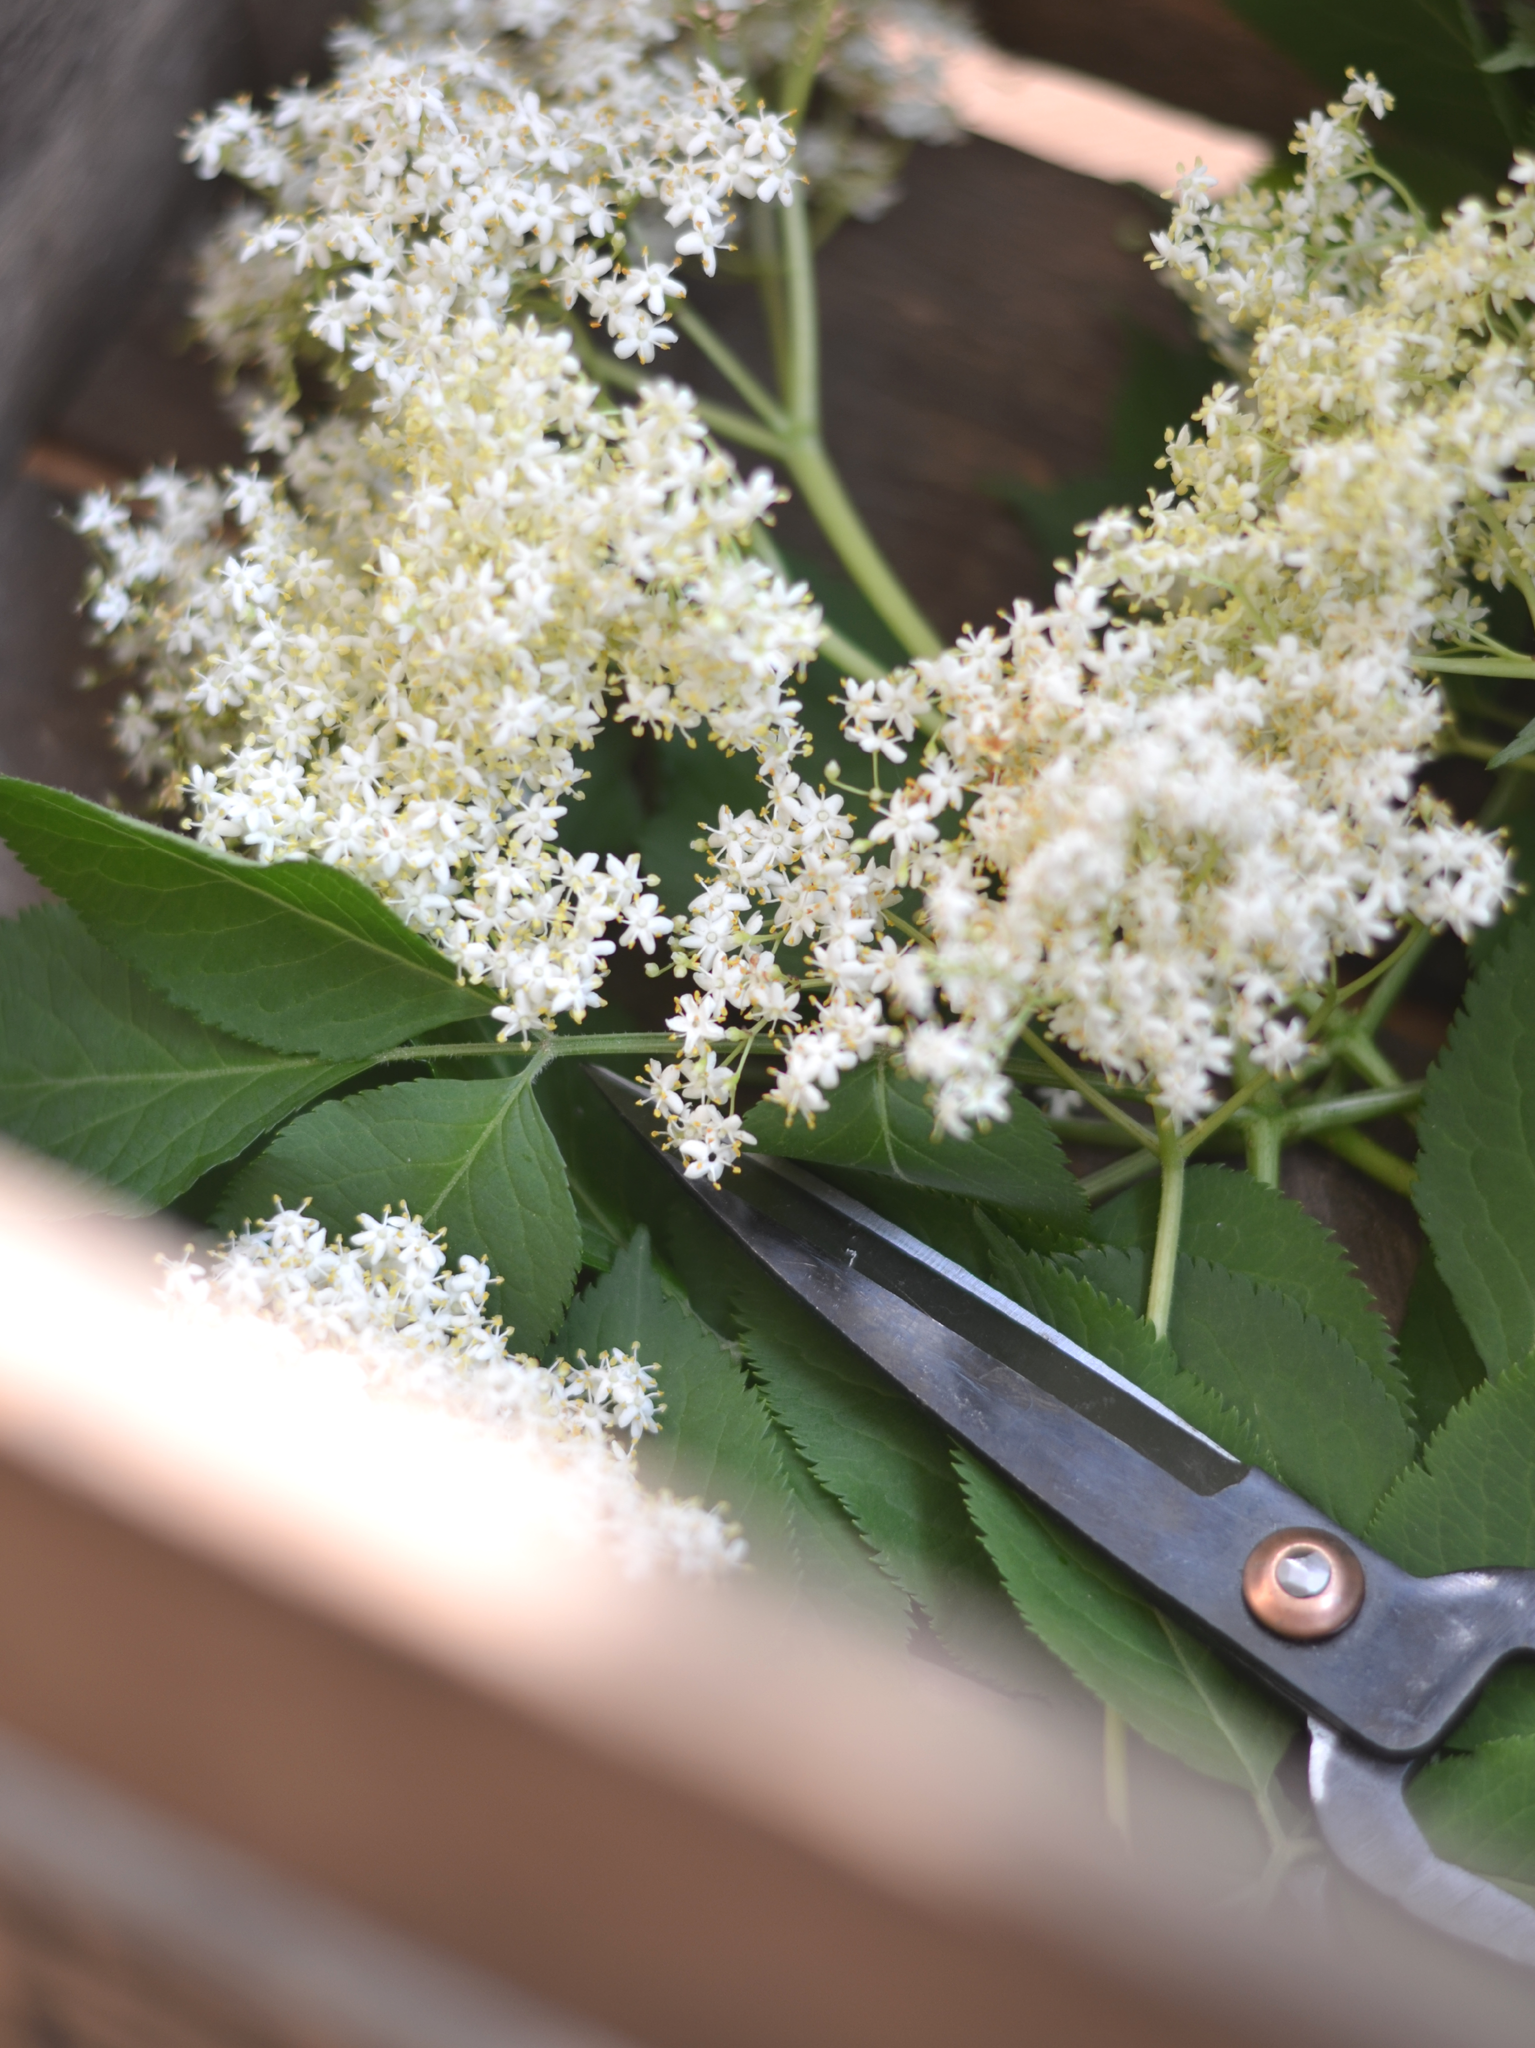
(431, 177)
(432, 612)
(417, 1330)
(1175, 798)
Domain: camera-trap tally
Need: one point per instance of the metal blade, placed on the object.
(1178, 1514)
(1368, 1825)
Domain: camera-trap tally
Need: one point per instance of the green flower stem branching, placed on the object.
(1137, 1132)
(1164, 1260)
(1476, 665)
(1386, 1167)
(799, 79)
(732, 369)
(1124, 1173)
(1265, 1145)
(596, 1045)
(1311, 1119)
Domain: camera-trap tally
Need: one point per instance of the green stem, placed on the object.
(1475, 665)
(809, 464)
(731, 368)
(1206, 1128)
(799, 82)
(768, 262)
(1372, 1159)
(1311, 1119)
(1084, 1087)
(827, 499)
(595, 1045)
(724, 419)
(1164, 1260)
(802, 389)
(1366, 1059)
(1265, 1143)
(1396, 971)
(1124, 1173)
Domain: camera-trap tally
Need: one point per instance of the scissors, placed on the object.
(1381, 1663)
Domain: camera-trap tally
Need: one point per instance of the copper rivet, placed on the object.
(1303, 1583)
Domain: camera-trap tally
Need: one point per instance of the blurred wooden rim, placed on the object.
(696, 1818)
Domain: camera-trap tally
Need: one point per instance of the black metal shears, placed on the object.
(1381, 1663)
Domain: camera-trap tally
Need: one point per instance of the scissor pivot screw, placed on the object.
(1303, 1583)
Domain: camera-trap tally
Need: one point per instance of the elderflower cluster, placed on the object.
(431, 177)
(418, 1331)
(1156, 813)
(431, 613)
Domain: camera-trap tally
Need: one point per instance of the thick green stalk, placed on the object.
(1136, 1132)
(805, 453)
(1311, 1119)
(802, 390)
(1124, 1173)
(826, 497)
(1265, 1143)
(731, 368)
(1372, 1159)
(595, 1045)
(1164, 1260)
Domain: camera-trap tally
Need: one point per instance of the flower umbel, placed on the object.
(418, 1331)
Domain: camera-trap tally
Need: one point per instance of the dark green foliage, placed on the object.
(100, 1072)
(1455, 124)
(870, 1446)
(296, 956)
(1118, 1334)
(1234, 1221)
(1329, 1428)
(1476, 1171)
(1438, 1359)
(1170, 1688)
(1471, 1501)
(474, 1158)
(879, 1122)
(717, 1439)
(1480, 1809)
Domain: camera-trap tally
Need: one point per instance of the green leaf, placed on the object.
(472, 1157)
(716, 1439)
(1438, 1359)
(833, 1559)
(1234, 1221)
(297, 956)
(879, 1122)
(1329, 1428)
(1523, 741)
(871, 1447)
(1427, 51)
(1518, 53)
(1170, 1689)
(1121, 1272)
(1471, 1500)
(1480, 1809)
(1115, 1332)
(1475, 1189)
(99, 1072)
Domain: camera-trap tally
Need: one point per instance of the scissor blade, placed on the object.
(1366, 1822)
(1178, 1514)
